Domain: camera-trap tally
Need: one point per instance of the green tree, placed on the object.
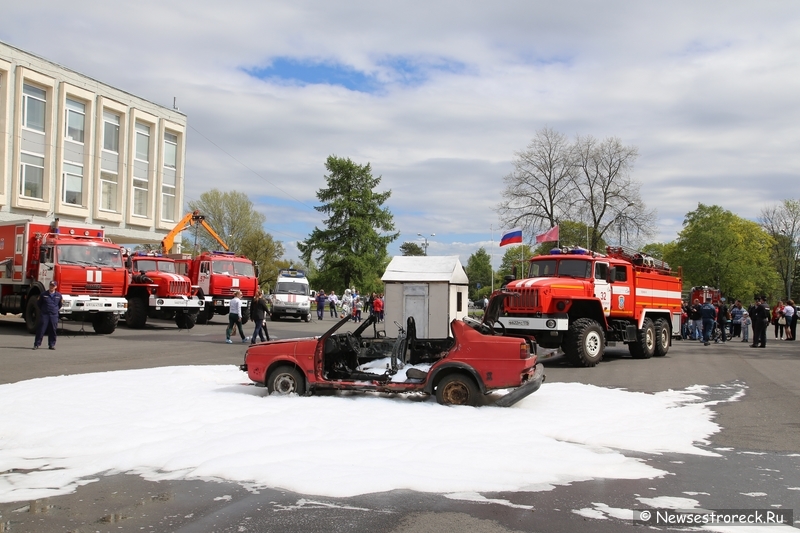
(479, 272)
(411, 248)
(351, 249)
(720, 249)
(261, 248)
(782, 221)
(231, 215)
(514, 256)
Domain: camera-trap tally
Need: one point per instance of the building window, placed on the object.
(76, 120)
(72, 184)
(108, 191)
(140, 197)
(142, 142)
(110, 132)
(170, 150)
(31, 176)
(168, 200)
(33, 107)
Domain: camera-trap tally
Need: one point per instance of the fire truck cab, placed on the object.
(577, 301)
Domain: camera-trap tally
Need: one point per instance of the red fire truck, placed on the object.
(701, 293)
(219, 275)
(157, 290)
(88, 269)
(578, 301)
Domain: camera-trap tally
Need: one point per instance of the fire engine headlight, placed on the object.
(160, 301)
(561, 305)
(550, 323)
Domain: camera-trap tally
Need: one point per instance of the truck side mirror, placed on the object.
(612, 274)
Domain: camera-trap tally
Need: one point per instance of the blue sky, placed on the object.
(438, 96)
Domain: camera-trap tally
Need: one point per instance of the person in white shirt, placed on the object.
(790, 314)
(235, 318)
(332, 301)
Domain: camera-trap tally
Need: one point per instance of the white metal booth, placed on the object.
(432, 289)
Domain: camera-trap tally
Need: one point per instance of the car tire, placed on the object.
(645, 345)
(662, 337)
(585, 343)
(457, 389)
(286, 380)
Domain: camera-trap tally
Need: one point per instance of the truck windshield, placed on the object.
(576, 268)
(88, 255)
(289, 287)
(542, 269)
(243, 269)
(149, 265)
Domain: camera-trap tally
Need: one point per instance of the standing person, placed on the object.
(235, 318)
(722, 319)
(790, 317)
(736, 319)
(777, 311)
(709, 314)
(49, 303)
(377, 306)
(760, 324)
(347, 303)
(332, 301)
(697, 319)
(259, 316)
(746, 326)
(358, 308)
(321, 305)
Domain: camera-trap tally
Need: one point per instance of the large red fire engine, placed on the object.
(157, 290)
(88, 269)
(579, 301)
(219, 275)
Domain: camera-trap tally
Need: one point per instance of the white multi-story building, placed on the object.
(74, 148)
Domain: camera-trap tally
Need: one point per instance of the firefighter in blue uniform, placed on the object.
(49, 304)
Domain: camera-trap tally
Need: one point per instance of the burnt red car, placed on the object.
(459, 370)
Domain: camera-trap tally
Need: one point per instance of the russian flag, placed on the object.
(512, 236)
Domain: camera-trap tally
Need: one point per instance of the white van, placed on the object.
(291, 296)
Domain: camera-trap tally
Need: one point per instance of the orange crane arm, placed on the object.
(185, 223)
(213, 233)
(169, 240)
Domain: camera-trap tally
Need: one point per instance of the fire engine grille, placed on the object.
(246, 293)
(92, 289)
(179, 287)
(527, 299)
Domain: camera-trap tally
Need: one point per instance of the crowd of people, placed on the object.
(714, 321)
(351, 304)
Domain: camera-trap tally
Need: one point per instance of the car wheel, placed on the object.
(645, 345)
(585, 343)
(286, 380)
(457, 389)
(662, 337)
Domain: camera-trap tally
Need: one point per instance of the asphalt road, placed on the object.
(760, 443)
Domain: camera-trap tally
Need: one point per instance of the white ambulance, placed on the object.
(291, 296)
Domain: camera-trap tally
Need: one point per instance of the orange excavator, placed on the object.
(192, 219)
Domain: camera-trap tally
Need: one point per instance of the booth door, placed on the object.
(415, 303)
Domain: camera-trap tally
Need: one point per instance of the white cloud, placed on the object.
(707, 92)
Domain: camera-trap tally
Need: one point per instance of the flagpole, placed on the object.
(491, 260)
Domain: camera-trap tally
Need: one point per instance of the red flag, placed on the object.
(550, 235)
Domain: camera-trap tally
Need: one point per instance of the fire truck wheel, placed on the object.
(245, 315)
(662, 337)
(204, 316)
(136, 315)
(645, 345)
(457, 389)
(105, 323)
(585, 342)
(286, 380)
(185, 320)
(32, 313)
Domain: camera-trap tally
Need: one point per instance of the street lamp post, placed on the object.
(425, 243)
